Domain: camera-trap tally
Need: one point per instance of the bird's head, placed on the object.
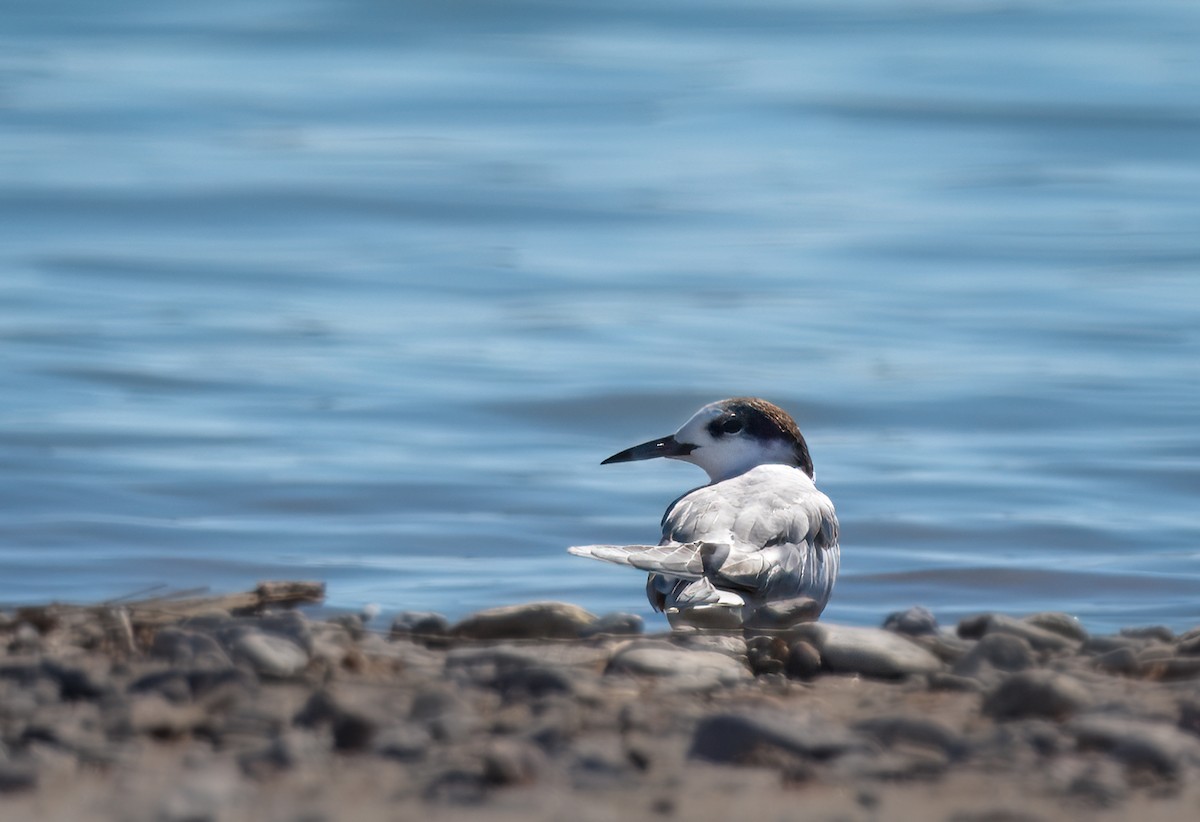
(728, 438)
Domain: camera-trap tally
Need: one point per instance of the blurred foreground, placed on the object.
(545, 712)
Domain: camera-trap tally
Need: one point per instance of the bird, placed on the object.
(756, 546)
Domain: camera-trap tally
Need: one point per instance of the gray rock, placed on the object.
(1059, 623)
(915, 730)
(403, 742)
(534, 682)
(494, 666)
(614, 624)
(1172, 668)
(425, 627)
(191, 648)
(290, 749)
(445, 714)
(942, 681)
(152, 715)
(509, 762)
(75, 683)
(1105, 643)
(536, 620)
(916, 621)
(1122, 661)
(1039, 638)
(867, 651)
(685, 669)
(353, 724)
(1036, 694)
(1000, 652)
(766, 654)
(270, 655)
(1161, 633)
(17, 776)
(803, 660)
(732, 645)
(769, 737)
(1139, 744)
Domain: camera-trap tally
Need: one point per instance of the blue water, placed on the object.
(364, 292)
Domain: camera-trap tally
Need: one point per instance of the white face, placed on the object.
(732, 450)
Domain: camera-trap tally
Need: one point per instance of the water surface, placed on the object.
(364, 293)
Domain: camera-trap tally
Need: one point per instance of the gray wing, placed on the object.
(780, 539)
(767, 534)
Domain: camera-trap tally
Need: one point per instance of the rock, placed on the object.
(1139, 744)
(1059, 623)
(17, 776)
(353, 726)
(287, 750)
(154, 716)
(686, 670)
(537, 620)
(769, 737)
(942, 681)
(403, 742)
(1160, 633)
(614, 624)
(1039, 639)
(192, 648)
(506, 762)
(916, 621)
(73, 683)
(1105, 643)
(534, 682)
(867, 651)
(803, 660)
(766, 654)
(1122, 661)
(425, 627)
(270, 655)
(1001, 652)
(444, 713)
(915, 730)
(488, 666)
(1041, 694)
(1172, 668)
(732, 645)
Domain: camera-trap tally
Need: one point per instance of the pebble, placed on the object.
(1036, 694)
(510, 723)
(1059, 623)
(1155, 746)
(867, 651)
(803, 660)
(757, 737)
(999, 652)
(425, 627)
(915, 730)
(1160, 633)
(614, 624)
(916, 621)
(537, 620)
(353, 725)
(180, 646)
(270, 655)
(685, 670)
(1040, 639)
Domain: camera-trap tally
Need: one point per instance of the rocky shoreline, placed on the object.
(240, 708)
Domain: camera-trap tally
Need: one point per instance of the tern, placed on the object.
(758, 545)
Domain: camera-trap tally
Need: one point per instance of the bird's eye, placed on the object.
(731, 425)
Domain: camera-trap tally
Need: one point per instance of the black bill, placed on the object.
(666, 447)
